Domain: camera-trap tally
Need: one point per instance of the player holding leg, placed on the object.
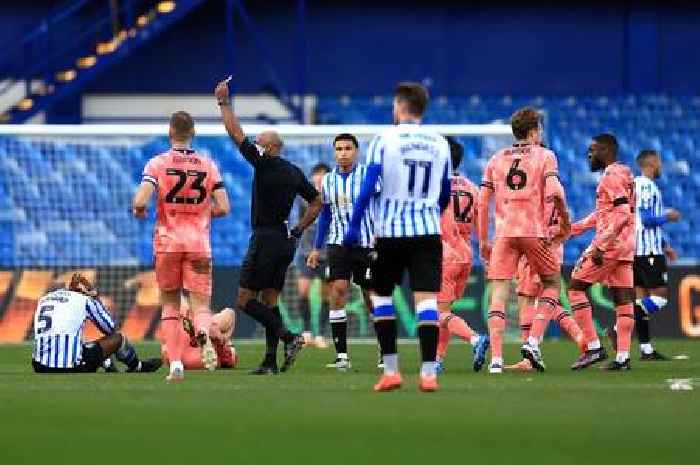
(608, 259)
(415, 169)
(456, 225)
(340, 189)
(224, 323)
(189, 192)
(58, 330)
(523, 179)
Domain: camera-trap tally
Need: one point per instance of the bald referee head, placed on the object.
(271, 142)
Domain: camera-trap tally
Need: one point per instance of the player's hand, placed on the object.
(671, 254)
(597, 256)
(313, 259)
(673, 215)
(79, 283)
(221, 92)
(139, 212)
(485, 252)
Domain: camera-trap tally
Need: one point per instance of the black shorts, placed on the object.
(265, 265)
(349, 263)
(421, 256)
(650, 271)
(92, 360)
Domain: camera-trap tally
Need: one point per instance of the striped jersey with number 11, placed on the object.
(414, 162)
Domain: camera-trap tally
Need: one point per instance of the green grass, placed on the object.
(312, 415)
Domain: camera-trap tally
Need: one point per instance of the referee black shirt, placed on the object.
(276, 183)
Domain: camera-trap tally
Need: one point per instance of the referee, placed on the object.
(650, 275)
(276, 183)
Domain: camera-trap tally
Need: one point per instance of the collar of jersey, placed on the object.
(354, 167)
(413, 123)
(185, 150)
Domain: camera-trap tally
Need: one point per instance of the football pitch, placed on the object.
(314, 415)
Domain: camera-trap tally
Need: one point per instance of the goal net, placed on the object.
(65, 197)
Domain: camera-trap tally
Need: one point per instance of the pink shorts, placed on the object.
(507, 251)
(454, 280)
(612, 273)
(184, 270)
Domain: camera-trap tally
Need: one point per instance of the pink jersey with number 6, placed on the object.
(184, 181)
(518, 177)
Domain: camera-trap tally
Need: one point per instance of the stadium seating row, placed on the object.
(66, 202)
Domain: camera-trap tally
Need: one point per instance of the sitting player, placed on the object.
(456, 224)
(223, 325)
(58, 328)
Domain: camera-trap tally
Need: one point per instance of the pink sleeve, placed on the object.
(216, 180)
(584, 225)
(150, 172)
(552, 185)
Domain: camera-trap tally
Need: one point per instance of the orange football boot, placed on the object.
(388, 383)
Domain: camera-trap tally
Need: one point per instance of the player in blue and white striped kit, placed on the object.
(58, 329)
(414, 165)
(652, 250)
(340, 190)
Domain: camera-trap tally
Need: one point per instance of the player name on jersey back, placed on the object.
(414, 160)
(184, 182)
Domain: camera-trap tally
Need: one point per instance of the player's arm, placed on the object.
(149, 184)
(619, 216)
(220, 205)
(324, 222)
(584, 225)
(482, 226)
(309, 193)
(445, 187)
(98, 314)
(367, 191)
(252, 153)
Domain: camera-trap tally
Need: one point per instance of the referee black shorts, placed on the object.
(650, 271)
(91, 360)
(421, 256)
(265, 265)
(348, 263)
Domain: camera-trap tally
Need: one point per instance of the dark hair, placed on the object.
(346, 136)
(607, 140)
(414, 95)
(523, 121)
(645, 155)
(320, 168)
(456, 151)
(182, 124)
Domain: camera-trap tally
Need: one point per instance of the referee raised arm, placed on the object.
(276, 183)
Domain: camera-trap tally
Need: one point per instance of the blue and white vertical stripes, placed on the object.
(58, 327)
(649, 217)
(413, 160)
(341, 191)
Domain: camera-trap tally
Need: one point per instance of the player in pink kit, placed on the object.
(609, 257)
(530, 289)
(523, 179)
(224, 323)
(456, 225)
(189, 192)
